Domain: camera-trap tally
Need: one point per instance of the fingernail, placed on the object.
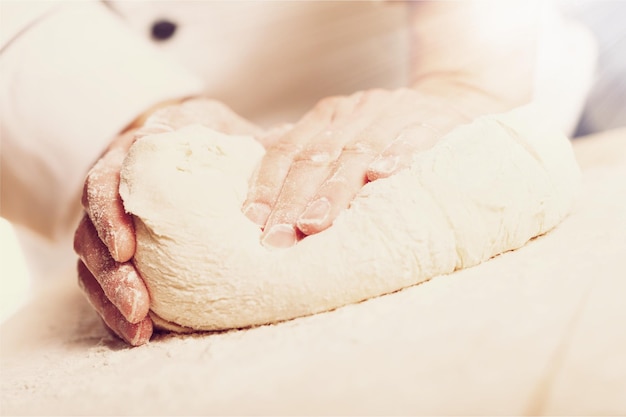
(280, 236)
(316, 212)
(384, 165)
(257, 212)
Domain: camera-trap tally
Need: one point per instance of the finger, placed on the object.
(305, 175)
(313, 164)
(431, 118)
(103, 203)
(349, 172)
(335, 194)
(133, 333)
(348, 176)
(399, 153)
(307, 172)
(120, 282)
(269, 177)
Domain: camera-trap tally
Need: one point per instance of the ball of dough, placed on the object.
(485, 188)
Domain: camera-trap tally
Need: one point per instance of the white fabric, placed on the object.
(70, 82)
(17, 16)
(271, 61)
(14, 291)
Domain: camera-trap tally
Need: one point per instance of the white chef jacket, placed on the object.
(75, 73)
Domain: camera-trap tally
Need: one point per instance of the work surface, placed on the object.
(540, 330)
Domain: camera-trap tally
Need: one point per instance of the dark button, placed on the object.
(163, 29)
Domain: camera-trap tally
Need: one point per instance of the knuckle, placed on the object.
(359, 148)
(337, 184)
(285, 148)
(317, 154)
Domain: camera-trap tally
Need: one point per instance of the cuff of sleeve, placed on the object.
(70, 83)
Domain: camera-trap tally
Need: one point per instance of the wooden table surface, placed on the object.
(540, 330)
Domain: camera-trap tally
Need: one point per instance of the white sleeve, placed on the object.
(73, 76)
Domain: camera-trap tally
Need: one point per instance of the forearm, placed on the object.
(489, 46)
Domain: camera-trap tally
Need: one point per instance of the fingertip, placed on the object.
(134, 334)
(382, 167)
(137, 309)
(280, 236)
(309, 229)
(119, 283)
(315, 217)
(121, 243)
(138, 334)
(128, 293)
(257, 212)
(138, 305)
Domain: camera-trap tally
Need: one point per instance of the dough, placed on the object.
(486, 188)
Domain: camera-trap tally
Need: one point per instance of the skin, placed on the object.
(313, 169)
(318, 166)
(105, 238)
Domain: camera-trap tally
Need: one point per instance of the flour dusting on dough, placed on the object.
(485, 188)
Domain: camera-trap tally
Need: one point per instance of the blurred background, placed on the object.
(606, 105)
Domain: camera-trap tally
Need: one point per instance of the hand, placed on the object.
(105, 238)
(316, 168)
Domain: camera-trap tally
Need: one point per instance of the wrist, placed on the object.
(466, 94)
(492, 95)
